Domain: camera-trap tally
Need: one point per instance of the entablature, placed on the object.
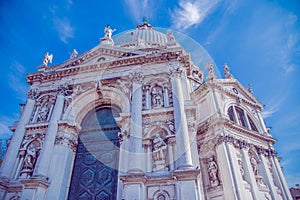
(225, 124)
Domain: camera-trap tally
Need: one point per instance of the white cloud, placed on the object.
(5, 122)
(64, 29)
(192, 13)
(17, 80)
(269, 112)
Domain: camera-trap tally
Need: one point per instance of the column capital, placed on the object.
(33, 94)
(64, 90)
(67, 139)
(137, 77)
(171, 139)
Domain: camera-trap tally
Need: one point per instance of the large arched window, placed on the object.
(239, 116)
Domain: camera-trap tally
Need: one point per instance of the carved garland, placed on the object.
(244, 144)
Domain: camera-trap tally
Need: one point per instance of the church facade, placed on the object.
(134, 118)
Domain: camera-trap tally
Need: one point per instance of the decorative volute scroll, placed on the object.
(227, 73)
(137, 77)
(211, 74)
(196, 76)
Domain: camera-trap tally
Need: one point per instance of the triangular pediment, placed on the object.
(99, 54)
(234, 88)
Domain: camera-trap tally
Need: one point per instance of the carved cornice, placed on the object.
(70, 70)
(215, 121)
(186, 174)
(36, 127)
(35, 183)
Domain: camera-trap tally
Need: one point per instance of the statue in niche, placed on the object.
(108, 31)
(241, 168)
(159, 152)
(30, 159)
(156, 96)
(254, 164)
(213, 172)
(43, 113)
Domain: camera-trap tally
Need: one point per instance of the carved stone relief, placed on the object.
(156, 96)
(213, 172)
(43, 109)
(159, 152)
(29, 157)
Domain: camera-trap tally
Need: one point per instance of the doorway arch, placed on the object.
(95, 170)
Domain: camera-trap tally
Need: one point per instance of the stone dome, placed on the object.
(143, 35)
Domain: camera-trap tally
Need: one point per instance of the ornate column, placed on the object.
(136, 133)
(13, 150)
(148, 158)
(229, 168)
(183, 152)
(43, 162)
(267, 172)
(276, 167)
(250, 174)
(63, 155)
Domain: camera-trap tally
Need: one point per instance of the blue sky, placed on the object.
(259, 39)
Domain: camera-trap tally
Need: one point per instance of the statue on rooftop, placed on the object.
(47, 58)
(74, 54)
(108, 31)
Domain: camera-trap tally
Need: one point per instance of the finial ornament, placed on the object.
(227, 73)
(145, 20)
(47, 58)
(249, 88)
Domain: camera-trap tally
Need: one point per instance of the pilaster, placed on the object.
(61, 164)
(13, 150)
(136, 135)
(43, 162)
(183, 152)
